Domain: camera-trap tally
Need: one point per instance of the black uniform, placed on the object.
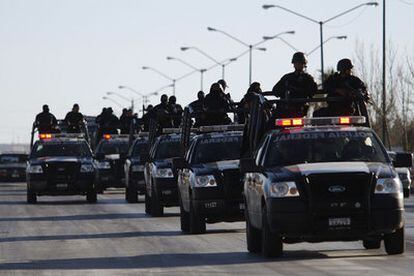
(198, 108)
(177, 111)
(74, 121)
(291, 86)
(125, 121)
(217, 105)
(348, 86)
(45, 122)
(162, 114)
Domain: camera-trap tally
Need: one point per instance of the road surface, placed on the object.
(65, 235)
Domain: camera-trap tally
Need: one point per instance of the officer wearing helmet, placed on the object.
(297, 84)
(74, 119)
(162, 113)
(45, 121)
(344, 84)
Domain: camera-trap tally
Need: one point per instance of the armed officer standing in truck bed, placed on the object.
(344, 84)
(45, 121)
(74, 119)
(297, 84)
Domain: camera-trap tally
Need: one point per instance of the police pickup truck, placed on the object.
(323, 179)
(209, 180)
(160, 179)
(60, 164)
(134, 169)
(13, 167)
(110, 155)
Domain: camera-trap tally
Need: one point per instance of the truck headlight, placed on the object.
(137, 168)
(388, 186)
(205, 181)
(103, 165)
(86, 168)
(164, 173)
(283, 189)
(34, 169)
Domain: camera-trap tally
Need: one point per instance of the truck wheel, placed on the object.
(395, 242)
(31, 197)
(272, 245)
(131, 195)
(372, 243)
(157, 210)
(406, 193)
(91, 196)
(147, 204)
(184, 219)
(197, 222)
(253, 235)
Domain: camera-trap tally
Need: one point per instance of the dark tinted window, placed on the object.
(78, 149)
(167, 148)
(340, 146)
(140, 147)
(112, 147)
(217, 149)
(12, 158)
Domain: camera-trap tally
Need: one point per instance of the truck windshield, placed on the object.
(12, 158)
(331, 146)
(168, 148)
(111, 147)
(140, 148)
(61, 149)
(217, 149)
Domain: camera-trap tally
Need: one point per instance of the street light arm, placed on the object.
(159, 73)
(187, 75)
(288, 44)
(232, 37)
(350, 10)
(185, 63)
(112, 100)
(118, 95)
(298, 14)
(326, 40)
(205, 54)
(130, 89)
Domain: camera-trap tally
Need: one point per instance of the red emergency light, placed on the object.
(45, 136)
(289, 122)
(107, 136)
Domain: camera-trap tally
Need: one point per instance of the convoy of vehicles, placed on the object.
(311, 179)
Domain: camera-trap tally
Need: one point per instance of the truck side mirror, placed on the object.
(403, 160)
(248, 165)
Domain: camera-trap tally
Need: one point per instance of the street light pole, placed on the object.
(321, 23)
(384, 75)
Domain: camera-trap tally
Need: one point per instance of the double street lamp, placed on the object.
(250, 47)
(163, 75)
(112, 100)
(321, 23)
(202, 71)
(122, 97)
(223, 64)
(144, 96)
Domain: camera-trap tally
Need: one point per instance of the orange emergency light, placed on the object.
(107, 136)
(45, 136)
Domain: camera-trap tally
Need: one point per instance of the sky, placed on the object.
(62, 52)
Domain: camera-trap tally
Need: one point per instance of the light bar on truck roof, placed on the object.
(44, 136)
(234, 127)
(320, 121)
(115, 136)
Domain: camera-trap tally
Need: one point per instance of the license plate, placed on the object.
(210, 205)
(241, 206)
(62, 186)
(166, 192)
(339, 222)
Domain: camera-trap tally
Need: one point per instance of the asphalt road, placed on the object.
(65, 235)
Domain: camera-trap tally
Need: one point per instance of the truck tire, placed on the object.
(184, 219)
(253, 235)
(395, 242)
(157, 210)
(272, 245)
(31, 197)
(372, 243)
(91, 196)
(197, 222)
(131, 195)
(147, 204)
